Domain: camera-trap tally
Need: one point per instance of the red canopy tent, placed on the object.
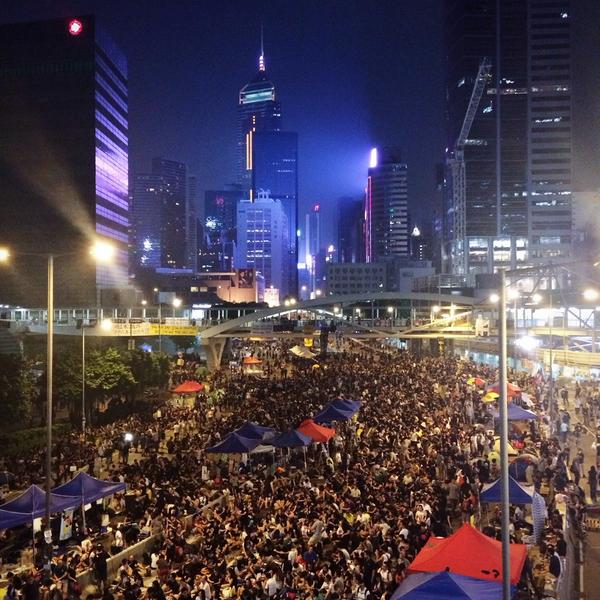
(251, 360)
(512, 389)
(471, 553)
(317, 432)
(188, 387)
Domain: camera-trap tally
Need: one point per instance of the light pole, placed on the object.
(503, 405)
(514, 296)
(102, 252)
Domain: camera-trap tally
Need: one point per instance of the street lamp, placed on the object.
(102, 252)
(591, 295)
(494, 298)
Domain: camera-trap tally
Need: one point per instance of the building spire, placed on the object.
(261, 58)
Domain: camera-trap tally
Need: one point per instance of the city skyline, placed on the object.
(187, 78)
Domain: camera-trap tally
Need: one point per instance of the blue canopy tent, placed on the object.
(353, 405)
(332, 413)
(233, 443)
(447, 586)
(11, 519)
(254, 431)
(291, 439)
(32, 503)
(517, 413)
(89, 489)
(517, 493)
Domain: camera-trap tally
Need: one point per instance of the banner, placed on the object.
(66, 525)
(156, 329)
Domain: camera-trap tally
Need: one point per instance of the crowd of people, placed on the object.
(342, 521)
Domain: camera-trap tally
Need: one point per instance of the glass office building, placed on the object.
(63, 160)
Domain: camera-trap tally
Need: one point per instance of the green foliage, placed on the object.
(148, 368)
(23, 442)
(107, 374)
(18, 390)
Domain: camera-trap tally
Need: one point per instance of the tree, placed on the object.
(107, 376)
(149, 369)
(18, 390)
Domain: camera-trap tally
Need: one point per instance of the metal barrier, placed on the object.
(137, 550)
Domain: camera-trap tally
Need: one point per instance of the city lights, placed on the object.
(102, 251)
(527, 343)
(373, 158)
(75, 27)
(494, 298)
(176, 302)
(106, 324)
(591, 294)
(4, 254)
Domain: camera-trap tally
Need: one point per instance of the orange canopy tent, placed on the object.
(188, 387)
(471, 553)
(317, 432)
(512, 389)
(251, 360)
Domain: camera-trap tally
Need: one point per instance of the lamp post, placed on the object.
(102, 252)
(514, 296)
(503, 405)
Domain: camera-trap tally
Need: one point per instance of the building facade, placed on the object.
(511, 205)
(262, 239)
(351, 230)
(275, 170)
(386, 208)
(218, 238)
(161, 216)
(63, 159)
(258, 110)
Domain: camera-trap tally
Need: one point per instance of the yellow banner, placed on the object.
(155, 329)
(308, 342)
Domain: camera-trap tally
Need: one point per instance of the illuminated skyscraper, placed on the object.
(262, 238)
(161, 219)
(63, 158)
(275, 169)
(386, 210)
(258, 110)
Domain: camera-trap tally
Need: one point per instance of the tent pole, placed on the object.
(83, 517)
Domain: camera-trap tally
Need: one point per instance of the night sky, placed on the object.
(350, 75)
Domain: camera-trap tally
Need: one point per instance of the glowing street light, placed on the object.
(390, 309)
(494, 298)
(144, 302)
(537, 298)
(513, 294)
(527, 343)
(106, 324)
(176, 302)
(102, 251)
(591, 294)
(4, 254)
(317, 293)
(286, 302)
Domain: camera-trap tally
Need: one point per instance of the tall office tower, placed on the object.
(220, 218)
(312, 253)
(63, 159)
(351, 230)
(550, 134)
(160, 226)
(258, 110)
(149, 196)
(386, 207)
(508, 199)
(261, 239)
(191, 226)
(275, 169)
(174, 211)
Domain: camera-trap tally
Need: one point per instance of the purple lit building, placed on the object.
(63, 160)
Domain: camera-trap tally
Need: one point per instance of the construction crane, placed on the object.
(456, 161)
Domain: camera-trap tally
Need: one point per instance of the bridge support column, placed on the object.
(214, 351)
